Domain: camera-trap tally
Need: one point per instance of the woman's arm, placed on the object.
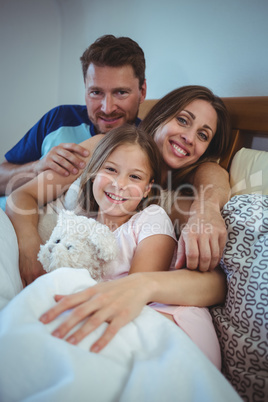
(22, 209)
(203, 236)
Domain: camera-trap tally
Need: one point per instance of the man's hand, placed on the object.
(202, 240)
(63, 159)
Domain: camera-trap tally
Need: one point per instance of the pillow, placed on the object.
(247, 172)
(10, 281)
(242, 323)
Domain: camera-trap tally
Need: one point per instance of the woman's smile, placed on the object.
(179, 150)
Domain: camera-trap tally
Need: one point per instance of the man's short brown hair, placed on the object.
(115, 52)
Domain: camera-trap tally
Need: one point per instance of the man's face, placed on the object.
(112, 96)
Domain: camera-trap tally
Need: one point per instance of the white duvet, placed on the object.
(150, 359)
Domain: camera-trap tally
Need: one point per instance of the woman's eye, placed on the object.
(181, 120)
(203, 136)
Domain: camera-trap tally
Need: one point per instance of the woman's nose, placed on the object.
(189, 136)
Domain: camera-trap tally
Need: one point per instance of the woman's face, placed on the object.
(184, 139)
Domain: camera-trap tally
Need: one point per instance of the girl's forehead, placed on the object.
(133, 151)
(129, 147)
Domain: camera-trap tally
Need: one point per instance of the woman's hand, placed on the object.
(116, 302)
(202, 240)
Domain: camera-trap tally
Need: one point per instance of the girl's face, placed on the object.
(121, 183)
(184, 139)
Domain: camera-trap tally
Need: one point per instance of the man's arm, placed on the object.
(203, 234)
(23, 207)
(23, 210)
(64, 159)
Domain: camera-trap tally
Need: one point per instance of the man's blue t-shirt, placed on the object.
(66, 123)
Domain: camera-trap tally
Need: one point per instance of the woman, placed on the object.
(190, 125)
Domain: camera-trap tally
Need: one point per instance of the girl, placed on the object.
(123, 172)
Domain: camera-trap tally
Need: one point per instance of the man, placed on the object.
(115, 86)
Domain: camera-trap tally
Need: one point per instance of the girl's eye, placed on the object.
(134, 176)
(110, 169)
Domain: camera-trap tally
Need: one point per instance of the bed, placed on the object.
(150, 359)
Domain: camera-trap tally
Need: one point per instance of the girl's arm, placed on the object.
(22, 209)
(120, 301)
(154, 253)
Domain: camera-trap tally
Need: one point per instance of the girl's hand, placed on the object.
(116, 302)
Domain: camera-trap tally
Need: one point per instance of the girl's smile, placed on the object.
(117, 199)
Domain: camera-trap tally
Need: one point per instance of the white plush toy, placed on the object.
(79, 242)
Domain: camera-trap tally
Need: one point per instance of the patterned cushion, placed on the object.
(242, 323)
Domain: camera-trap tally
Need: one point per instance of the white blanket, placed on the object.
(150, 359)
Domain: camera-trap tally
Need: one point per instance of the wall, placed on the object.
(222, 45)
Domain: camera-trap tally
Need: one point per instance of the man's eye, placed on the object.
(122, 94)
(95, 94)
